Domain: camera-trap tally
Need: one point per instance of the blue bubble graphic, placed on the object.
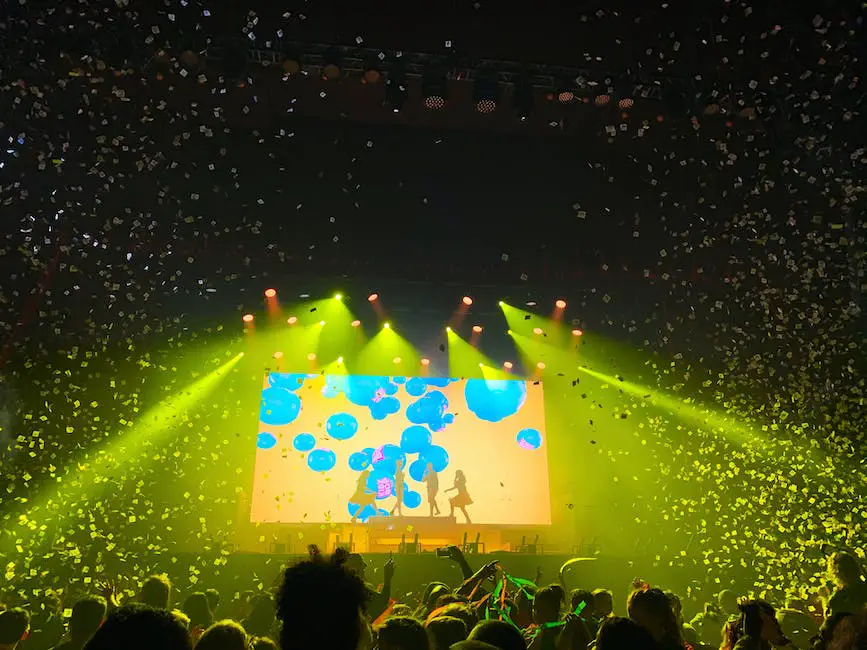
(439, 382)
(279, 406)
(384, 407)
(417, 470)
(359, 461)
(304, 442)
(429, 410)
(341, 426)
(287, 380)
(265, 440)
(436, 456)
(385, 459)
(411, 499)
(495, 399)
(416, 386)
(399, 380)
(529, 439)
(415, 439)
(321, 460)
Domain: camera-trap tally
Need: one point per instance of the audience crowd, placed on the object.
(326, 602)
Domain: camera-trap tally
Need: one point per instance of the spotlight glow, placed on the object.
(339, 359)
(278, 355)
(537, 330)
(386, 326)
(541, 365)
(501, 303)
(448, 329)
(356, 323)
(467, 300)
(292, 320)
(311, 356)
(373, 297)
(425, 362)
(577, 333)
(270, 293)
(509, 332)
(322, 323)
(477, 329)
(396, 360)
(507, 365)
(560, 304)
(248, 318)
(338, 296)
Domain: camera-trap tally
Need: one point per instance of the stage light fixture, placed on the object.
(311, 356)
(270, 293)
(425, 362)
(537, 330)
(467, 300)
(338, 296)
(481, 365)
(356, 323)
(501, 303)
(339, 359)
(565, 90)
(602, 100)
(278, 355)
(396, 360)
(509, 332)
(560, 304)
(477, 329)
(331, 64)
(372, 70)
(386, 326)
(541, 365)
(625, 103)
(434, 86)
(507, 365)
(291, 65)
(448, 329)
(373, 297)
(322, 323)
(248, 318)
(292, 320)
(486, 93)
(577, 333)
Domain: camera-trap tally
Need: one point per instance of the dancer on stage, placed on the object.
(362, 497)
(398, 489)
(462, 498)
(432, 479)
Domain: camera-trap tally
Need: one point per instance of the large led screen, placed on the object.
(348, 448)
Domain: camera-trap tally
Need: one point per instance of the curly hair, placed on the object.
(319, 603)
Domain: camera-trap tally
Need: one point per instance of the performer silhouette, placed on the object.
(432, 479)
(398, 489)
(362, 497)
(462, 498)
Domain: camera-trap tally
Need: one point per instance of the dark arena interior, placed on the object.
(425, 325)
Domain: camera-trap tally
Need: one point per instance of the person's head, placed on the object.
(651, 609)
(728, 602)
(461, 611)
(548, 604)
(139, 627)
(432, 592)
(213, 599)
(448, 599)
(499, 634)
(579, 596)
(87, 615)
(402, 633)
(197, 608)
(616, 633)
(459, 475)
(757, 619)
(444, 631)
(14, 626)
(321, 605)
(430, 467)
(603, 603)
(355, 563)
(844, 569)
(263, 643)
(399, 464)
(223, 635)
(156, 592)
(261, 618)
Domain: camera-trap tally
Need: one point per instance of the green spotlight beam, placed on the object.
(91, 473)
(377, 357)
(466, 360)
